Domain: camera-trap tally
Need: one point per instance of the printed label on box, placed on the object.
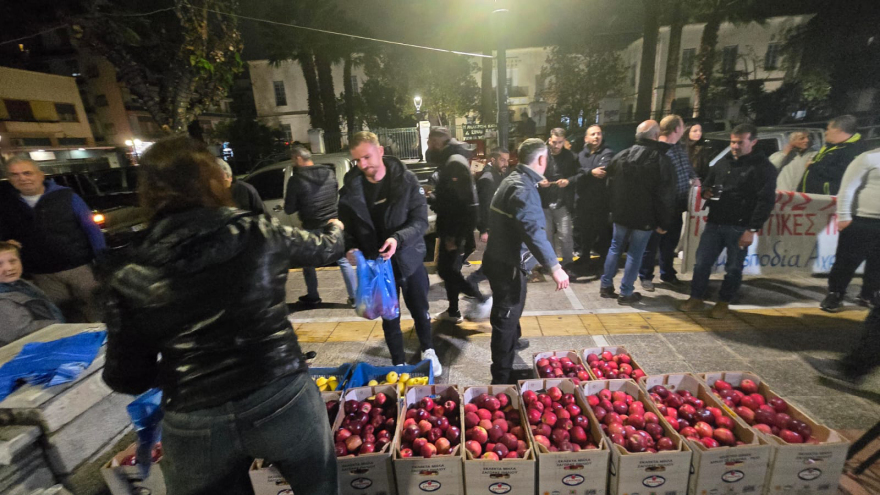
(429, 486)
(499, 488)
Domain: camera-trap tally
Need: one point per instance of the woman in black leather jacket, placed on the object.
(197, 308)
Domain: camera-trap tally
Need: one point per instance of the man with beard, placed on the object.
(592, 230)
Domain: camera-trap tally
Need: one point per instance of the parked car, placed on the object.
(770, 140)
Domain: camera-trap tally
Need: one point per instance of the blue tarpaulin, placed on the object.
(51, 363)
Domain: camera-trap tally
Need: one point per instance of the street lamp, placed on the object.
(128, 142)
(417, 101)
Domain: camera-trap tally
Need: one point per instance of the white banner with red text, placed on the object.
(800, 235)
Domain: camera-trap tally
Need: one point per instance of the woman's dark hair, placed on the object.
(179, 173)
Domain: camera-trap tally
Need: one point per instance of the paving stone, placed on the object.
(336, 353)
(663, 367)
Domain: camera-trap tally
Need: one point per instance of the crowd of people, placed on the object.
(197, 304)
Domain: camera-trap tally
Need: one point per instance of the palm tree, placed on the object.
(677, 20)
(649, 53)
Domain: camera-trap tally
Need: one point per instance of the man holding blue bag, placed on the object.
(386, 215)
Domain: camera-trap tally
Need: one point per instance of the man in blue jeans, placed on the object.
(642, 201)
(741, 192)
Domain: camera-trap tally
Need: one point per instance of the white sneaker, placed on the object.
(435, 361)
(446, 316)
(480, 310)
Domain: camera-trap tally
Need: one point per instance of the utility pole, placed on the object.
(501, 18)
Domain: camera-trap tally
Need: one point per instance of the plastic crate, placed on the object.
(364, 372)
(342, 373)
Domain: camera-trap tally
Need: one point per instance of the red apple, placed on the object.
(491, 456)
(443, 446)
(724, 436)
(665, 443)
(789, 436)
(709, 442)
(353, 443)
(474, 447)
(543, 440)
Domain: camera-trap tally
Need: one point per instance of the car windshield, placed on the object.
(114, 181)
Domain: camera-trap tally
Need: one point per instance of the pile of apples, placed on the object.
(627, 424)
(767, 416)
(609, 366)
(430, 429)
(332, 410)
(557, 422)
(561, 367)
(155, 456)
(689, 415)
(493, 428)
(368, 426)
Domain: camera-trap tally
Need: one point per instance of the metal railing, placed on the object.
(403, 143)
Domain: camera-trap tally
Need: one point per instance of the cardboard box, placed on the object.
(508, 476)
(573, 355)
(124, 480)
(730, 470)
(367, 474)
(441, 474)
(795, 468)
(664, 473)
(562, 472)
(327, 397)
(615, 350)
(267, 480)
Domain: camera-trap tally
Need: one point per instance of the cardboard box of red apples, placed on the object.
(428, 453)
(806, 457)
(611, 363)
(560, 364)
(364, 446)
(728, 457)
(494, 467)
(579, 459)
(123, 477)
(647, 455)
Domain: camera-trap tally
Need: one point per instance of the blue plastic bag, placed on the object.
(376, 293)
(146, 416)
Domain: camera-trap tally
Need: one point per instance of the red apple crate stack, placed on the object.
(633, 467)
(428, 458)
(362, 467)
(611, 363)
(805, 455)
(511, 475)
(583, 463)
(560, 364)
(728, 456)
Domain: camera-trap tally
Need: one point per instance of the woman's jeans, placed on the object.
(348, 276)
(285, 423)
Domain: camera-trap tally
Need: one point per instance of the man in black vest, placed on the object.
(59, 239)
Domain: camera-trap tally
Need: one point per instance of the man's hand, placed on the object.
(544, 183)
(840, 225)
(660, 231)
(562, 182)
(484, 237)
(696, 183)
(561, 278)
(746, 239)
(706, 193)
(351, 257)
(389, 248)
(14, 243)
(787, 149)
(336, 222)
(598, 172)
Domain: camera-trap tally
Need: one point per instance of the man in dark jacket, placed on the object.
(592, 230)
(557, 195)
(518, 239)
(642, 201)
(59, 239)
(244, 195)
(457, 216)
(491, 177)
(385, 213)
(842, 145)
(312, 191)
(741, 189)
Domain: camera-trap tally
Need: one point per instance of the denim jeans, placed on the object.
(348, 277)
(285, 423)
(415, 294)
(665, 244)
(559, 226)
(715, 239)
(638, 240)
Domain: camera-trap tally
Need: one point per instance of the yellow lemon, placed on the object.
(404, 377)
(321, 381)
(372, 383)
(391, 377)
(412, 382)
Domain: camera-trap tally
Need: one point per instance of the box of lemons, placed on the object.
(330, 379)
(403, 376)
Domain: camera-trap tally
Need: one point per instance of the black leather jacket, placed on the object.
(205, 288)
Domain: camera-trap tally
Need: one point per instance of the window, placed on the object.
(19, 110)
(70, 141)
(101, 101)
(270, 184)
(288, 133)
(66, 112)
(355, 89)
(681, 104)
(728, 58)
(688, 57)
(632, 75)
(280, 95)
(36, 142)
(771, 59)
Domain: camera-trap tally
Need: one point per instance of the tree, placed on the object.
(677, 20)
(249, 139)
(649, 54)
(578, 80)
(177, 62)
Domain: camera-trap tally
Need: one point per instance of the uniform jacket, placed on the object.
(313, 193)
